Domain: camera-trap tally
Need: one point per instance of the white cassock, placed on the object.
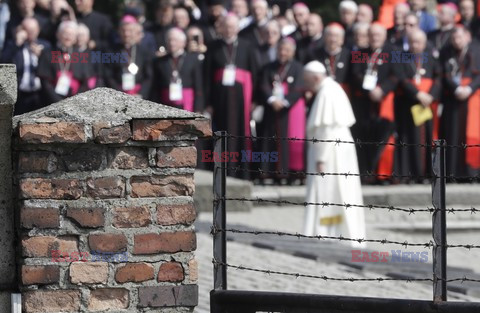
(330, 118)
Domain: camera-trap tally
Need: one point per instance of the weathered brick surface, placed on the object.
(162, 186)
(177, 157)
(107, 242)
(131, 217)
(193, 271)
(37, 162)
(39, 217)
(42, 188)
(40, 274)
(164, 243)
(46, 301)
(156, 130)
(105, 188)
(84, 159)
(87, 217)
(170, 272)
(108, 299)
(41, 246)
(173, 214)
(106, 134)
(129, 158)
(168, 296)
(61, 132)
(89, 273)
(135, 272)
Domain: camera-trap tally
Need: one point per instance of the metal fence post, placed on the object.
(439, 223)
(219, 213)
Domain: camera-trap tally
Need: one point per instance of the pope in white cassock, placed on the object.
(330, 118)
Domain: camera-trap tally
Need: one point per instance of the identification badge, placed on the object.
(175, 91)
(63, 85)
(229, 74)
(133, 69)
(278, 91)
(128, 81)
(370, 82)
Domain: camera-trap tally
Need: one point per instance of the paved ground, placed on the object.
(332, 259)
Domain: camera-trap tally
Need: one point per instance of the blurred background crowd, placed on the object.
(410, 68)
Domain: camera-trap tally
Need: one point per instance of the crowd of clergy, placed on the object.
(241, 62)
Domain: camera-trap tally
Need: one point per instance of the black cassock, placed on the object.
(231, 97)
(307, 48)
(289, 121)
(101, 29)
(415, 77)
(184, 70)
(438, 40)
(252, 34)
(337, 66)
(374, 121)
(80, 77)
(459, 121)
(115, 72)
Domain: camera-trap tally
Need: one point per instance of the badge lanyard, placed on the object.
(279, 77)
(419, 72)
(175, 92)
(64, 81)
(229, 72)
(370, 79)
(128, 78)
(459, 67)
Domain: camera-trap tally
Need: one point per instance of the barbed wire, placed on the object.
(351, 279)
(472, 210)
(406, 244)
(367, 174)
(358, 142)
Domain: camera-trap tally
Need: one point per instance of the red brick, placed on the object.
(162, 186)
(106, 187)
(170, 272)
(131, 217)
(135, 272)
(37, 162)
(108, 299)
(42, 188)
(39, 217)
(158, 130)
(46, 301)
(106, 134)
(87, 217)
(42, 246)
(173, 214)
(89, 273)
(177, 157)
(40, 274)
(108, 242)
(129, 158)
(63, 132)
(165, 243)
(193, 270)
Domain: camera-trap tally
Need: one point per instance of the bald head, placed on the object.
(314, 25)
(377, 36)
(417, 41)
(31, 26)
(365, 13)
(230, 27)
(400, 12)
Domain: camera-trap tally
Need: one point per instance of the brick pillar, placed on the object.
(8, 97)
(107, 173)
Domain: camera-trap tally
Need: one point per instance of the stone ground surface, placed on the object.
(332, 259)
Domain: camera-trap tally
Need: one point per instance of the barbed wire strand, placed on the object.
(406, 244)
(351, 279)
(348, 205)
(356, 142)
